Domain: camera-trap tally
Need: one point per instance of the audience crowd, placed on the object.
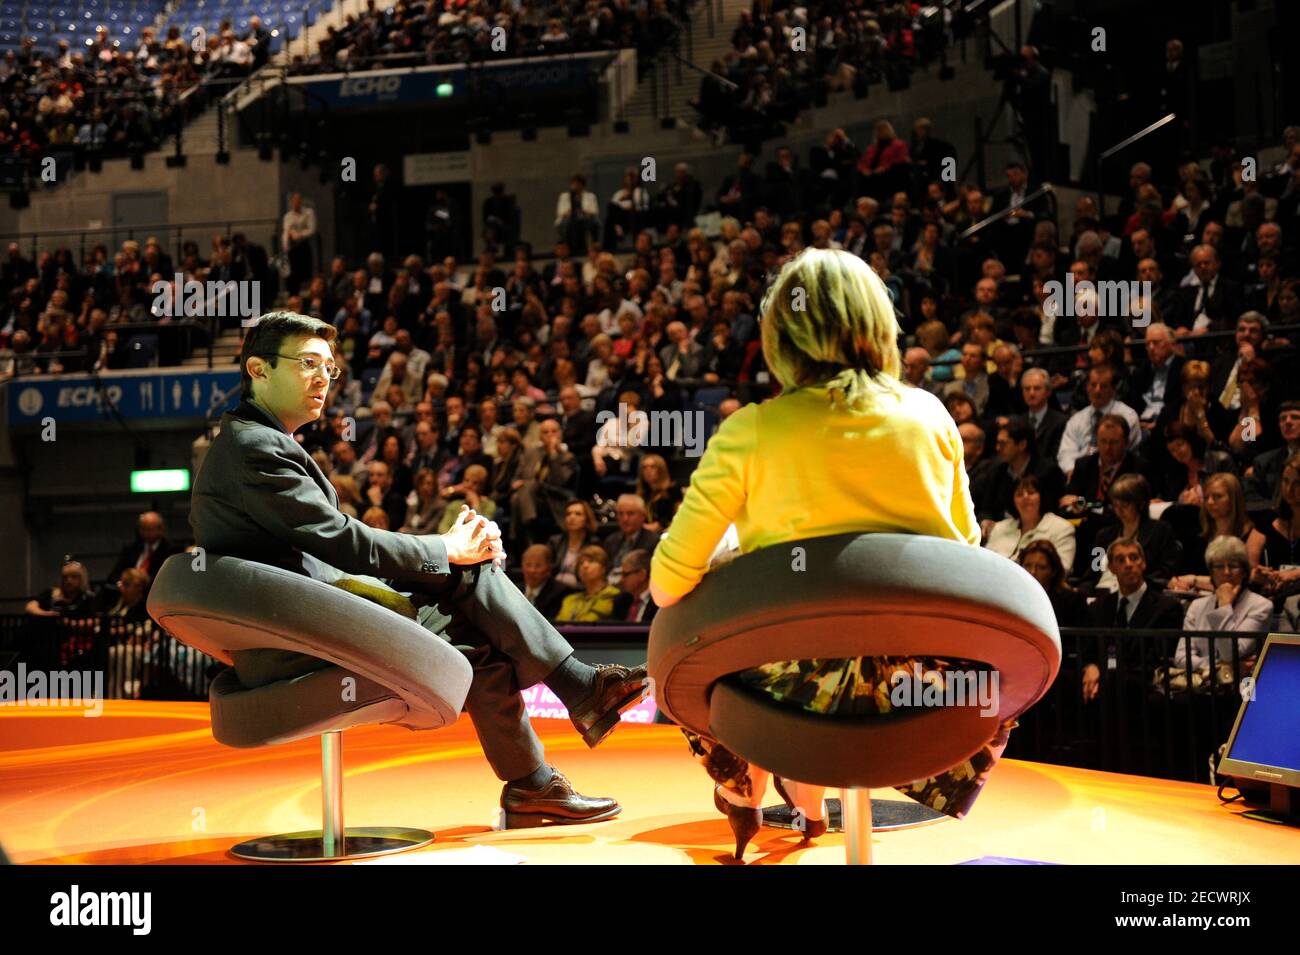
(1139, 454)
(112, 98)
(415, 33)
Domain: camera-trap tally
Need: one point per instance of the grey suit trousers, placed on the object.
(510, 645)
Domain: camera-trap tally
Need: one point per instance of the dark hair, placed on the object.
(1292, 463)
(1028, 482)
(1048, 550)
(1019, 429)
(1177, 431)
(265, 338)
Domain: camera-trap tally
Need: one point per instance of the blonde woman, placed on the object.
(345, 486)
(659, 491)
(836, 359)
(1223, 514)
(425, 507)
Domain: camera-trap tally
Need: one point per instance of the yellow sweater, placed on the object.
(794, 467)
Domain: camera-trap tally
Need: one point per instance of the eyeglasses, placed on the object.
(1222, 566)
(313, 364)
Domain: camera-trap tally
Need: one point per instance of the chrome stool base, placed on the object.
(309, 846)
(886, 815)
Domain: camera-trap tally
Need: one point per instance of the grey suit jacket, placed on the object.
(260, 496)
(1250, 612)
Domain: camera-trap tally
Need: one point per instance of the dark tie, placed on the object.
(1121, 617)
(1107, 476)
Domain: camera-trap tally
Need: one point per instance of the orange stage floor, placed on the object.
(146, 783)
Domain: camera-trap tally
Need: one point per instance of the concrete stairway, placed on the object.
(712, 24)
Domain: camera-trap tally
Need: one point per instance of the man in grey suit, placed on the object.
(260, 496)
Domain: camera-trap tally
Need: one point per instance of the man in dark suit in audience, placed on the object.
(1047, 421)
(148, 551)
(1135, 607)
(259, 496)
(1265, 473)
(536, 581)
(1215, 301)
(631, 534)
(634, 605)
(1094, 473)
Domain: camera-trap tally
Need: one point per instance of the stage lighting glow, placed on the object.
(160, 479)
(443, 89)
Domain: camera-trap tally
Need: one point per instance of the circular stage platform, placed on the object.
(146, 783)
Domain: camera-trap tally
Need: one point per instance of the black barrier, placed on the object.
(1149, 716)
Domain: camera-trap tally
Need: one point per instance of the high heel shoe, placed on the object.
(745, 821)
(812, 828)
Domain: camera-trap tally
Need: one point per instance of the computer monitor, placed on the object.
(1264, 745)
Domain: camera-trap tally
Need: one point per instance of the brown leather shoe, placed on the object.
(556, 802)
(617, 688)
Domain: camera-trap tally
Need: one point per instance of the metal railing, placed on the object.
(1148, 717)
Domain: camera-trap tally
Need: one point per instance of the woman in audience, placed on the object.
(1190, 462)
(1130, 499)
(1280, 565)
(1044, 564)
(392, 453)
(1223, 514)
(659, 491)
(129, 631)
(566, 546)
(375, 517)
(424, 506)
(837, 361)
(595, 601)
(468, 491)
(1032, 522)
(345, 486)
(1230, 606)
(505, 470)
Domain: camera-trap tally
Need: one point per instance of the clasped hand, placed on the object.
(474, 539)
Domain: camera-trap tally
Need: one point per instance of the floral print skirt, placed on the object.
(857, 686)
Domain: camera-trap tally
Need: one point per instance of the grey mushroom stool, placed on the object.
(308, 659)
(859, 595)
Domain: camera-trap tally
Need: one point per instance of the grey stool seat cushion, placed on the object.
(858, 595)
(332, 659)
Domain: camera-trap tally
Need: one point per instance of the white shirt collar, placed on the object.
(1134, 599)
